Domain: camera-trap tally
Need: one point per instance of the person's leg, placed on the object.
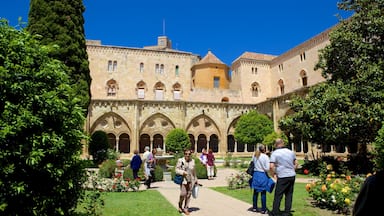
(263, 201)
(289, 194)
(255, 197)
(207, 167)
(183, 193)
(279, 190)
(188, 188)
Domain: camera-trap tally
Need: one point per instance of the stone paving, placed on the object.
(210, 202)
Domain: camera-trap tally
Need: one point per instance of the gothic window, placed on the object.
(141, 86)
(176, 91)
(281, 67)
(111, 88)
(141, 67)
(159, 91)
(109, 68)
(281, 86)
(114, 65)
(255, 88)
(304, 78)
(302, 56)
(157, 68)
(177, 70)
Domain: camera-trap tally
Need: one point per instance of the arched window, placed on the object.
(177, 70)
(304, 78)
(159, 91)
(281, 86)
(141, 67)
(176, 91)
(141, 87)
(112, 87)
(255, 88)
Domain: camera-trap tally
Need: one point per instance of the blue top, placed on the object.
(136, 162)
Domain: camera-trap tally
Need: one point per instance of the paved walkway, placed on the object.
(210, 202)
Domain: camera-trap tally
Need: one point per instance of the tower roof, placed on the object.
(210, 58)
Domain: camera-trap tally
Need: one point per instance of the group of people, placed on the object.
(208, 160)
(149, 161)
(281, 165)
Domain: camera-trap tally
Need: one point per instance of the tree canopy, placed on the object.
(40, 129)
(252, 127)
(347, 108)
(177, 140)
(61, 23)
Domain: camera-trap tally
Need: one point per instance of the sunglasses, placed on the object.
(187, 154)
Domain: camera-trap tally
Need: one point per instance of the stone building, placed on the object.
(140, 94)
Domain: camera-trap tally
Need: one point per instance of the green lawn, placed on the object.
(151, 202)
(300, 205)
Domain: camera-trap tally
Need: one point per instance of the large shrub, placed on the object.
(177, 140)
(98, 146)
(41, 129)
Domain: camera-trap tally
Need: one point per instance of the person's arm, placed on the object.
(272, 169)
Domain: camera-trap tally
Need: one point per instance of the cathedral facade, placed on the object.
(140, 94)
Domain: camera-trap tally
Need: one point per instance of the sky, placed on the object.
(226, 28)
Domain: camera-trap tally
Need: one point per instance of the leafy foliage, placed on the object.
(98, 146)
(334, 192)
(269, 140)
(61, 23)
(177, 140)
(347, 108)
(252, 127)
(41, 123)
(378, 151)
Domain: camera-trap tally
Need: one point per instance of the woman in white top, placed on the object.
(260, 179)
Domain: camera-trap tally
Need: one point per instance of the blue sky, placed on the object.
(227, 28)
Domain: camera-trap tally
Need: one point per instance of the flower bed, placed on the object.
(116, 184)
(334, 192)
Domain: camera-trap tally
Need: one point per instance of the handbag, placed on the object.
(195, 191)
(270, 185)
(178, 179)
(251, 167)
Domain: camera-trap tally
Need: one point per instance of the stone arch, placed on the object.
(203, 124)
(156, 127)
(111, 123)
(157, 124)
(203, 127)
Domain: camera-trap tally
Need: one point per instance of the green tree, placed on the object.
(41, 129)
(378, 150)
(348, 107)
(98, 146)
(177, 140)
(252, 127)
(61, 23)
(270, 139)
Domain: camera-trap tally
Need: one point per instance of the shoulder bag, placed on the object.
(251, 167)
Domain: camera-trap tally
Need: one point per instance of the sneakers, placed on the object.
(264, 212)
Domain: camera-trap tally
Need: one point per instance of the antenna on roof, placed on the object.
(163, 27)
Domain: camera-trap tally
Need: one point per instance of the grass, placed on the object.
(300, 205)
(140, 203)
(151, 202)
